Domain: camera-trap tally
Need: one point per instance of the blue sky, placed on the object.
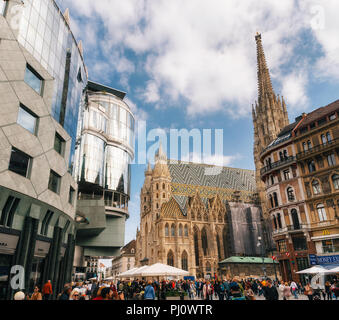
(192, 64)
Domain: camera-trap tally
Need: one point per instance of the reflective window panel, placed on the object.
(27, 120)
(19, 162)
(44, 33)
(33, 80)
(2, 6)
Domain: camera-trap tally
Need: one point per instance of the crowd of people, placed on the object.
(201, 289)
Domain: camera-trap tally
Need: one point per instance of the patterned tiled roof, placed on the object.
(188, 178)
(211, 176)
(171, 209)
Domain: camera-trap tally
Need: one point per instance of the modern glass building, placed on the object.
(42, 78)
(103, 171)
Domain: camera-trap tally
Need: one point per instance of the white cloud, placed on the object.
(294, 90)
(203, 53)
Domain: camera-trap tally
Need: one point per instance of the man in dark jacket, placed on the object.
(270, 291)
(66, 293)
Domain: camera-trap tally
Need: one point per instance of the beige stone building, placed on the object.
(193, 216)
(125, 261)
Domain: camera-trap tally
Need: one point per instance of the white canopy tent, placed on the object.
(319, 269)
(131, 273)
(159, 269)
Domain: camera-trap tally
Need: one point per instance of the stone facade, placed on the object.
(125, 261)
(37, 213)
(192, 220)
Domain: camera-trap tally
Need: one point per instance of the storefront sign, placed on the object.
(8, 243)
(315, 260)
(326, 233)
(41, 249)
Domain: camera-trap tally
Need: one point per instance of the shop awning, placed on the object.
(324, 269)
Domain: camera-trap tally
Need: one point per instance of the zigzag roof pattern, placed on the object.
(212, 176)
(191, 176)
(171, 209)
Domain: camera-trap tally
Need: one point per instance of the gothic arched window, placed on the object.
(204, 241)
(186, 230)
(295, 219)
(184, 261)
(163, 186)
(173, 230)
(166, 230)
(180, 230)
(196, 246)
(170, 258)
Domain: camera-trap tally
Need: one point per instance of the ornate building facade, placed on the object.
(193, 218)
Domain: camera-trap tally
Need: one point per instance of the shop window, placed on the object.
(330, 245)
(20, 163)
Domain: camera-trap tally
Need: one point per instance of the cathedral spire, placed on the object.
(264, 79)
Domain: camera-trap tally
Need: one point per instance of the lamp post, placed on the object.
(260, 243)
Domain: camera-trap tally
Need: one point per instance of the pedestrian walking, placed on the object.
(287, 293)
(149, 292)
(36, 294)
(47, 290)
(308, 291)
(271, 292)
(294, 288)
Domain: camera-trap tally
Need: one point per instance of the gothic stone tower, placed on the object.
(269, 117)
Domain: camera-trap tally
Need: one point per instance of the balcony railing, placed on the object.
(321, 147)
(275, 165)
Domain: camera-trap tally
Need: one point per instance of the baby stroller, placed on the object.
(317, 294)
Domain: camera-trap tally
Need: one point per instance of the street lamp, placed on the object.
(260, 243)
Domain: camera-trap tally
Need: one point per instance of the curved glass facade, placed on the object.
(107, 146)
(93, 159)
(46, 35)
